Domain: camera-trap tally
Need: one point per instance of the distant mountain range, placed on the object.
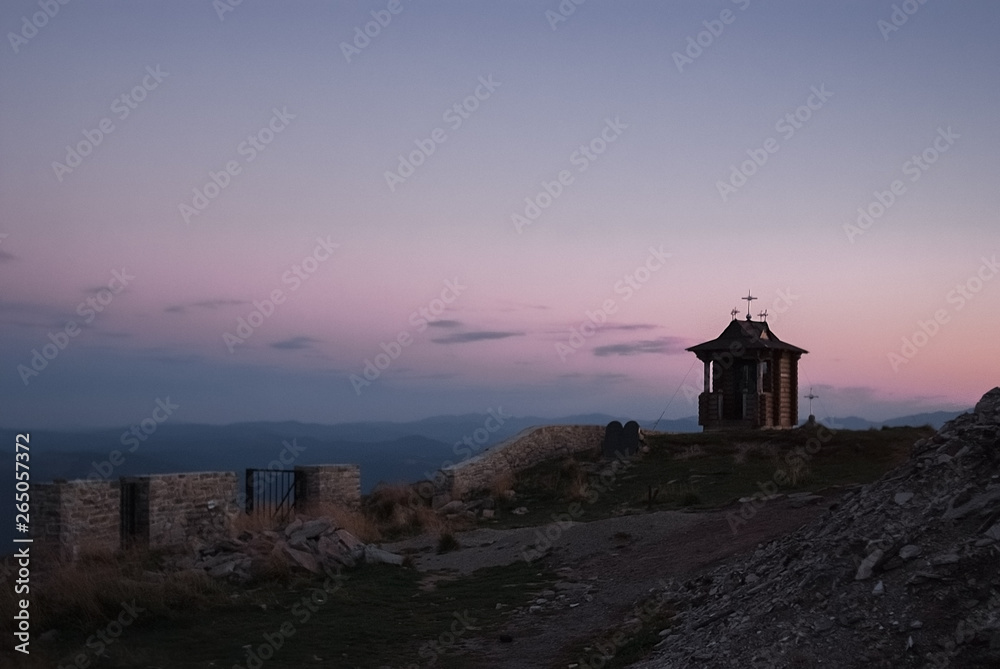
(935, 419)
(386, 451)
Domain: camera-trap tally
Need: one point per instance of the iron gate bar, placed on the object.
(275, 491)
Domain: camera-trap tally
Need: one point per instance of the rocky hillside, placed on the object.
(905, 572)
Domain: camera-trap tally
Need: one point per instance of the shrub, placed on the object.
(447, 543)
(689, 499)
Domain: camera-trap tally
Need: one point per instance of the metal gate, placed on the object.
(129, 513)
(272, 492)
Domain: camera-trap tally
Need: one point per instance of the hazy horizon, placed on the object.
(242, 212)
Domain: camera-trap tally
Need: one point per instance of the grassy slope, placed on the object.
(709, 470)
(381, 616)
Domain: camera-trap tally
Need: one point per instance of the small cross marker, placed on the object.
(749, 298)
(811, 397)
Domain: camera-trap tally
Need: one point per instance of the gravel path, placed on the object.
(571, 542)
(606, 566)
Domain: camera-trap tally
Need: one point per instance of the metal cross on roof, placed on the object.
(811, 397)
(749, 298)
(762, 315)
(734, 313)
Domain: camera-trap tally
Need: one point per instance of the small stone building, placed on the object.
(751, 378)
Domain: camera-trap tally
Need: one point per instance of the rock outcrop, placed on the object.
(315, 545)
(904, 572)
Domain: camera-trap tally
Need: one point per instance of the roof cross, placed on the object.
(734, 313)
(749, 298)
(811, 397)
(763, 315)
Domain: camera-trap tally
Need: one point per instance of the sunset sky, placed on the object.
(453, 193)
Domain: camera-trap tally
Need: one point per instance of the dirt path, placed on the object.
(606, 567)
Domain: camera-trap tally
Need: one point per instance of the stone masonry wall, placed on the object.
(336, 485)
(75, 517)
(518, 453)
(186, 509)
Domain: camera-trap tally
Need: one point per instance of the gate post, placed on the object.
(249, 491)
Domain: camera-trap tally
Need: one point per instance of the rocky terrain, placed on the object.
(315, 545)
(904, 572)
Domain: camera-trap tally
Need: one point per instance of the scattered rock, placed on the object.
(454, 506)
(312, 545)
(867, 565)
(811, 605)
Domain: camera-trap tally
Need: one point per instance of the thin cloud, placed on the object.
(663, 345)
(204, 304)
(630, 326)
(465, 337)
(33, 315)
(444, 324)
(7, 257)
(294, 343)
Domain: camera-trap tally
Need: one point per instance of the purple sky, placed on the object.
(473, 182)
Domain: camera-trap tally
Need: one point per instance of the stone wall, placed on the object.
(76, 517)
(163, 510)
(184, 510)
(329, 485)
(518, 453)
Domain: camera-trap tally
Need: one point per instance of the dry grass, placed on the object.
(92, 589)
(503, 482)
(398, 510)
(447, 543)
(743, 451)
(354, 521)
(258, 521)
(690, 452)
(574, 480)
